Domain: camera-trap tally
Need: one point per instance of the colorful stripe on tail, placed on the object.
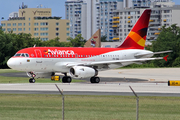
(137, 37)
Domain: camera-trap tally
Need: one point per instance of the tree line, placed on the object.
(10, 43)
(168, 39)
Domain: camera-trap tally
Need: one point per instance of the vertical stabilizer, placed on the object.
(137, 37)
(95, 40)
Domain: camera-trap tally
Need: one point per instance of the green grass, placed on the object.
(80, 107)
(8, 71)
(4, 79)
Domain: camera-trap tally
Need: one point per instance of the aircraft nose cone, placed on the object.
(11, 63)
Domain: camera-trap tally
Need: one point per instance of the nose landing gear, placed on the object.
(32, 80)
(32, 75)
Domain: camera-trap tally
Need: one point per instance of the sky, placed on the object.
(57, 6)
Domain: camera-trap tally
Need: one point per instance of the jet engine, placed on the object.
(82, 72)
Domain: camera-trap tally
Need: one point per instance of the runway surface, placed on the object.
(145, 89)
(103, 79)
(146, 82)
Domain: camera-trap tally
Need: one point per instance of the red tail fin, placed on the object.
(137, 37)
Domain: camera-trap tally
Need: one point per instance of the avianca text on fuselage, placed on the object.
(60, 52)
(85, 62)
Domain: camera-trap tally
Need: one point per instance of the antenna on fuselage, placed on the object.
(34, 45)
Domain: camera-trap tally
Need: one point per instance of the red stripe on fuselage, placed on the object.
(69, 52)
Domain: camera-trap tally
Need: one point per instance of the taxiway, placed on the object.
(145, 82)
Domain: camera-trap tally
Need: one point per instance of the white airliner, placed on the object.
(85, 62)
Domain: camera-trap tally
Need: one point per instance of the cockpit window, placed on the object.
(27, 55)
(21, 54)
(17, 55)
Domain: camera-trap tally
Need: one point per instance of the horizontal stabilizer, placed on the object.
(145, 54)
(165, 58)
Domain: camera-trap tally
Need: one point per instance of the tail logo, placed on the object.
(139, 39)
(93, 42)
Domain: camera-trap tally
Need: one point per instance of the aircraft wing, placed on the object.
(123, 61)
(113, 61)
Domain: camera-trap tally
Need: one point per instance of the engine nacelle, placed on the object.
(82, 72)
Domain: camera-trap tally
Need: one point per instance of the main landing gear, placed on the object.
(66, 79)
(94, 79)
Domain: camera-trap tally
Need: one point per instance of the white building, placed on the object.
(161, 15)
(87, 16)
(115, 18)
(146, 3)
(14, 14)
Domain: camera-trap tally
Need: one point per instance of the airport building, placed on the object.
(38, 22)
(161, 15)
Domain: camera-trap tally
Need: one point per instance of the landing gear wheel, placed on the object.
(94, 79)
(66, 79)
(32, 80)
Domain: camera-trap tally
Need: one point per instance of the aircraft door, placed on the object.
(38, 56)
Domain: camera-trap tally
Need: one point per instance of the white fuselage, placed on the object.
(59, 64)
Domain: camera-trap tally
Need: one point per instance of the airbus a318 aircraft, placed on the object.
(85, 62)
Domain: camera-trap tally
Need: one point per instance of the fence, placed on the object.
(122, 107)
(87, 107)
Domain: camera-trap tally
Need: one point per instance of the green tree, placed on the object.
(6, 48)
(78, 41)
(168, 39)
(103, 38)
